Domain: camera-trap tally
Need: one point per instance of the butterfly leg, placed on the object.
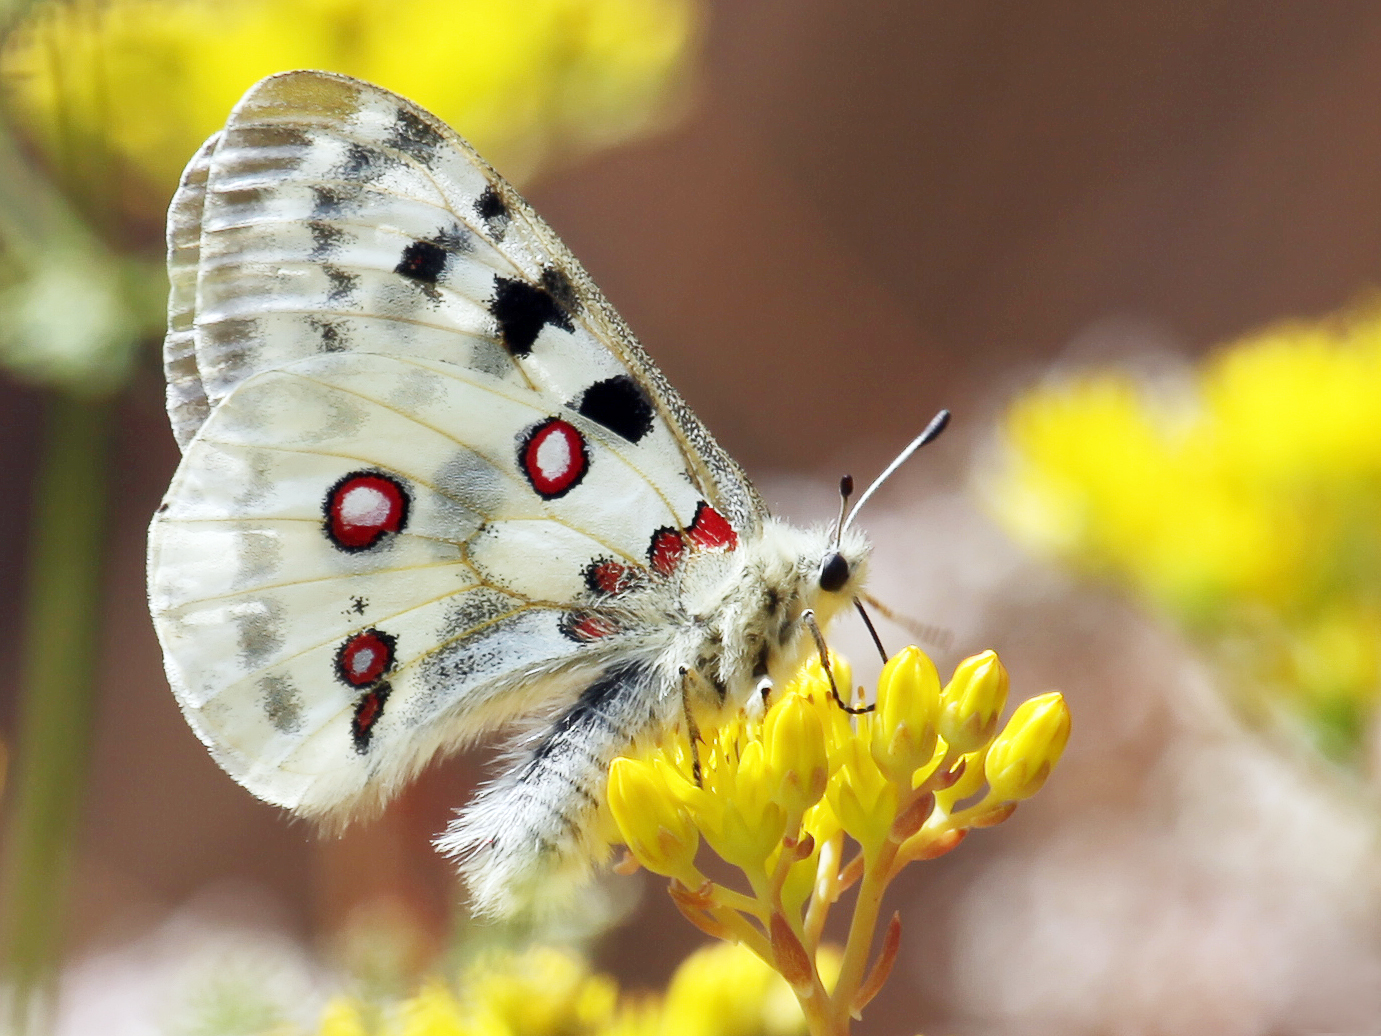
(808, 617)
(692, 728)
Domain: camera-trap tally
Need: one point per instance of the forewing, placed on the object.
(331, 215)
(363, 559)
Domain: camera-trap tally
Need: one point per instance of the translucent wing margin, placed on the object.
(331, 215)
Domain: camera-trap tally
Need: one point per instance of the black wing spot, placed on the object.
(423, 261)
(363, 163)
(494, 211)
(333, 201)
(620, 404)
(560, 288)
(326, 239)
(332, 334)
(343, 283)
(414, 137)
(522, 310)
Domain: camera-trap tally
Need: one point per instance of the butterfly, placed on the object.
(431, 485)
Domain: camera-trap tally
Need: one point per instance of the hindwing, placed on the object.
(364, 559)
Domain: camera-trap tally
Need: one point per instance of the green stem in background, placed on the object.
(60, 644)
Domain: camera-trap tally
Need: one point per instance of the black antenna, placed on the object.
(931, 433)
(872, 630)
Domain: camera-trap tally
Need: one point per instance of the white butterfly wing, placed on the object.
(331, 215)
(364, 559)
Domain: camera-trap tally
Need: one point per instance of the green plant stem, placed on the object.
(64, 580)
(860, 939)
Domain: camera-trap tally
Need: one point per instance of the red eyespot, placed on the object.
(365, 657)
(367, 712)
(665, 551)
(609, 577)
(583, 627)
(554, 458)
(362, 508)
(711, 531)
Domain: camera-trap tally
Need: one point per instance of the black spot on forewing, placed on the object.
(413, 136)
(332, 337)
(335, 200)
(522, 310)
(326, 239)
(363, 163)
(423, 261)
(560, 288)
(620, 404)
(343, 283)
(494, 211)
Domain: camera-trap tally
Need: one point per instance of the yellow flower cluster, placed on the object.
(1246, 502)
(146, 81)
(781, 800)
(718, 991)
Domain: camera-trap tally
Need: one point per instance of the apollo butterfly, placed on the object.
(431, 486)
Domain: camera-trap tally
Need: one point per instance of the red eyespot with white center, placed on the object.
(365, 657)
(364, 507)
(554, 458)
(711, 531)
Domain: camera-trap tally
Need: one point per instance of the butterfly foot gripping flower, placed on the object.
(810, 803)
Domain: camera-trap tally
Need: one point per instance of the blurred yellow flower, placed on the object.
(1245, 502)
(720, 990)
(138, 84)
(777, 798)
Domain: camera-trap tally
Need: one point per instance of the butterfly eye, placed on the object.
(834, 572)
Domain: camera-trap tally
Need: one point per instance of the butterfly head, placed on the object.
(836, 570)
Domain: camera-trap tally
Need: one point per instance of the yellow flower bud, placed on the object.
(863, 800)
(972, 701)
(904, 723)
(1028, 748)
(796, 760)
(738, 815)
(653, 823)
